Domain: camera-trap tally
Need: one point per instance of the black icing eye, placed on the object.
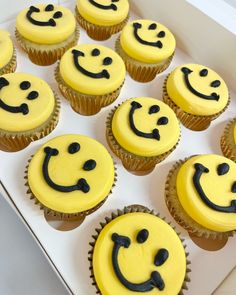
(162, 121)
(222, 169)
(142, 236)
(233, 188)
(49, 7)
(74, 148)
(153, 26)
(32, 95)
(25, 85)
(107, 61)
(57, 14)
(154, 109)
(215, 83)
(161, 257)
(203, 73)
(95, 52)
(89, 165)
(161, 34)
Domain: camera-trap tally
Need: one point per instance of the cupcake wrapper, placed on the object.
(132, 162)
(180, 215)
(85, 104)
(96, 32)
(126, 210)
(11, 66)
(193, 122)
(227, 143)
(65, 216)
(15, 141)
(140, 71)
(49, 54)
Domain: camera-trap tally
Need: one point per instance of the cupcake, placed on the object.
(70, 176)
(228, 140)
(135, 251)
(200, 195)
(142, 132)
(29, 110)
(45, 32)
(8, 54)
(197, 94)
(102, 19)
(147, 49)
(90, 76)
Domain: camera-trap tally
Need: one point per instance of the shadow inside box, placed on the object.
(216, 131)
(155, 88)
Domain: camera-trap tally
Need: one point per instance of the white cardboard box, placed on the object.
(67, 250)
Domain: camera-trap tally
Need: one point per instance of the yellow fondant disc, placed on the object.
(6, 48)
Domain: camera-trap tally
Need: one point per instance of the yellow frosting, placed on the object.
(143, 52)
(234, 133)
(89, 85)
(216, 187)
(188, 101)
(66, 169)
(65, 25)
(40, 108)
(6, 48)
(103, 17)
(145, 122)
(137, 261)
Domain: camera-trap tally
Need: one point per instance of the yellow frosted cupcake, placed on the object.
(90, 76)
(197, 94)
(102, 18)
(70, 176)
(200, 195)
(135, 251)
(228, 140)
(8, 54)
(45, 32)
(29, 110)
(142, 132)
(147, 48)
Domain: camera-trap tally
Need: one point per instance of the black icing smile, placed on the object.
(23, 108)
(106, 7)
(81, 185)
(153, 109)
(155, 280)
(222, 170)
(213, 96)
(50, 23)
(103, 74)
(153, 26)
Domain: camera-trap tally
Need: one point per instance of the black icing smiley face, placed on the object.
(111, 6)
(49, 10)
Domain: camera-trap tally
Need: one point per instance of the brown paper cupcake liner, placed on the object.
(96, 32)
(47, 54)
(85, 104)
(65, 216)
(193, 122)
(126, 210)
(180, 215)
(227, 143)
(132, 162)
(140, 71)
(15, 141)
(10, 67)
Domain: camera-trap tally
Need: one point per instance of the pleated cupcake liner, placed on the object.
(16, 141)
(130, 161)
(47, 54)
(85, 104)
(10, 67)
(132, 209)
(140, 71)
(179, 214)
(96, 32)
(190, 121)
(227, 143)
(61, 215)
